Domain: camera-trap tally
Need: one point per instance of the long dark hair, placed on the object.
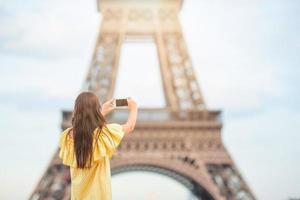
(86, 118)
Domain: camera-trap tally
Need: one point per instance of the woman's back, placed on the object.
(95, 182)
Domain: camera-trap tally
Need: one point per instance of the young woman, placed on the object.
(88, 145)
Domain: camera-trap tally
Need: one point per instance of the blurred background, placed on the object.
(245, 54)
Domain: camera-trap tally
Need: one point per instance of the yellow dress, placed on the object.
(93, 183)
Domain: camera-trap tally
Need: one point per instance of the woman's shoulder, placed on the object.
(115, 129)
(114, 125)
(109, 139)
(68, 131)
(64, 136)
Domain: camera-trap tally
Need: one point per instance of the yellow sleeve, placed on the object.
(66, 151)
(62, 138)
(110, 138)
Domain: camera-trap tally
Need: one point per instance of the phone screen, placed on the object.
(121, 102)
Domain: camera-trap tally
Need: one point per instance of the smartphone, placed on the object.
(121, 102)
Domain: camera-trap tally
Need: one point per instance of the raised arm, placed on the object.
(107, 107)
(129, 126)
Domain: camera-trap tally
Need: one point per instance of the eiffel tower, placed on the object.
(181, 140)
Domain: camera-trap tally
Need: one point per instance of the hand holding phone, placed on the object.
(107, 107)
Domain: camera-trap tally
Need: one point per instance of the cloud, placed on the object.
(53, 78)
(50, 29)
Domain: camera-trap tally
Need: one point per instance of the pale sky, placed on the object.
(245, 54)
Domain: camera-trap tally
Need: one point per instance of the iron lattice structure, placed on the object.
(181, 140)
